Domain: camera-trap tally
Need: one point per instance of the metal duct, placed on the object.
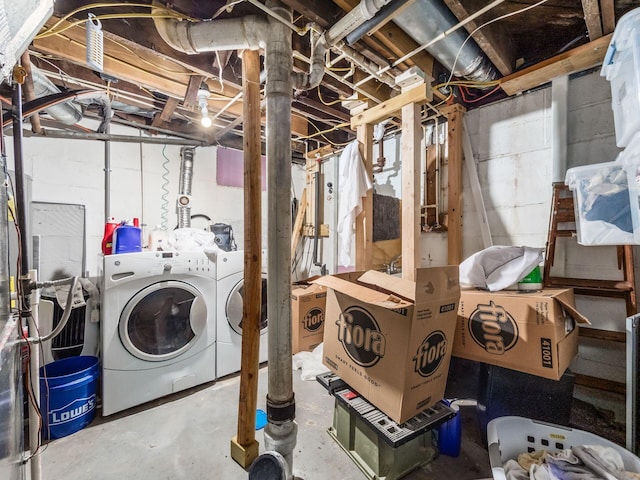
(64, 112)
(423, 20)
(186, 179)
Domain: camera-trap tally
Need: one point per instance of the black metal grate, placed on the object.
(70, 341)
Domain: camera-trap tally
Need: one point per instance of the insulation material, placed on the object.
(230, 168)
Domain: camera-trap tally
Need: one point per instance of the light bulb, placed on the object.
(206, 121)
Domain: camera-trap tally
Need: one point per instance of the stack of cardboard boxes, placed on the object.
(392, 339)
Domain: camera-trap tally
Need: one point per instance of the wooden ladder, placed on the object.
(562, 224)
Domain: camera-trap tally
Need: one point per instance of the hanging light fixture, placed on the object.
(202, 96)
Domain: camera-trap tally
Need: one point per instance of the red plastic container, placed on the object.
(107, 239)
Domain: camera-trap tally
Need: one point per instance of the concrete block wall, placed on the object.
(72, 171)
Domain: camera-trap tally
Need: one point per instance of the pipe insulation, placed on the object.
(186, 181)
(307, 81)
(386, 13)
(362, 12)
(227, 34)
(65, 113)
(424, 20)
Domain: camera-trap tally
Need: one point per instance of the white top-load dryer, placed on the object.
(230, 292)
(158, 332)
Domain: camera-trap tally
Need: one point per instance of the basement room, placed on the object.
(320, 239)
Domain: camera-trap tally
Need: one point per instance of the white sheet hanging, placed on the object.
(354, 184)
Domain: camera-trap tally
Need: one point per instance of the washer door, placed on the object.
(163, 321)
(234, 305)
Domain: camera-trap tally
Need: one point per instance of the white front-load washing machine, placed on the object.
(157, 326)
(230, 292)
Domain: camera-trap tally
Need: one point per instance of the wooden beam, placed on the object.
(364, 221)
(168, 109)
(297, 225)
(497, 45)
(190, 99)
(419, 94)
(410, 157)
(430, 192)
(245, 447)
(319, 11)
(578, 59)
(608, 16)
(592, 18)
(455, 114)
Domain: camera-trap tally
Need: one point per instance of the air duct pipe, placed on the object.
(64, 112)
(184, 193)
(424, 20)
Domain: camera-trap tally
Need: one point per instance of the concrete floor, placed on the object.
(187, 436)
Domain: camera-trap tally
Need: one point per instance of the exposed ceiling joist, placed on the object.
(491, 39)
(608, 16)
(578, 59)
(592, 18)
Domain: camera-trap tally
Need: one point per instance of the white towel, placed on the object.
(354, 183)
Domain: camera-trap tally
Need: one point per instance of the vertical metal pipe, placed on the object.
(280, 432)
(21, 197)
(107, 176)
(559, 112)
(5, 298)
(35, 435)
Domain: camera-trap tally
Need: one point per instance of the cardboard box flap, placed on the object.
(577, 316)
(441, 282)
(304, 289)
(362, 293)
(402, 287)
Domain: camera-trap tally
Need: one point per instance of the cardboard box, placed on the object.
(390, 339)
(533, 332)
(307, 315)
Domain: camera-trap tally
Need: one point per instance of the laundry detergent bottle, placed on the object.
(107, 239)
(128, 238)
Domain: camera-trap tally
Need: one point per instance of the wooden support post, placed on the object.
(455, 114)
(410, 157)
(244, 447)
(364, 221)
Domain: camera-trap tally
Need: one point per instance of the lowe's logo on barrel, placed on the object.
(430, 354)
(313, 320)
(360, 336)
(72, 411)
(493, 328)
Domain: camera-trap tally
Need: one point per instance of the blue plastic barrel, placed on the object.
(68, 395)
(127, 239)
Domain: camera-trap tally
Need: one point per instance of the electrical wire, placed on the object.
(329, 103)
(502, 17)
(170, 14)
(164, 207)
(21, 308)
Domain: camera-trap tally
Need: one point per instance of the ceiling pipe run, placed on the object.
(424, 20)
(275, 37)
(65, 113)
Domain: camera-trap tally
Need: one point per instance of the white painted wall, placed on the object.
(72, 171)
